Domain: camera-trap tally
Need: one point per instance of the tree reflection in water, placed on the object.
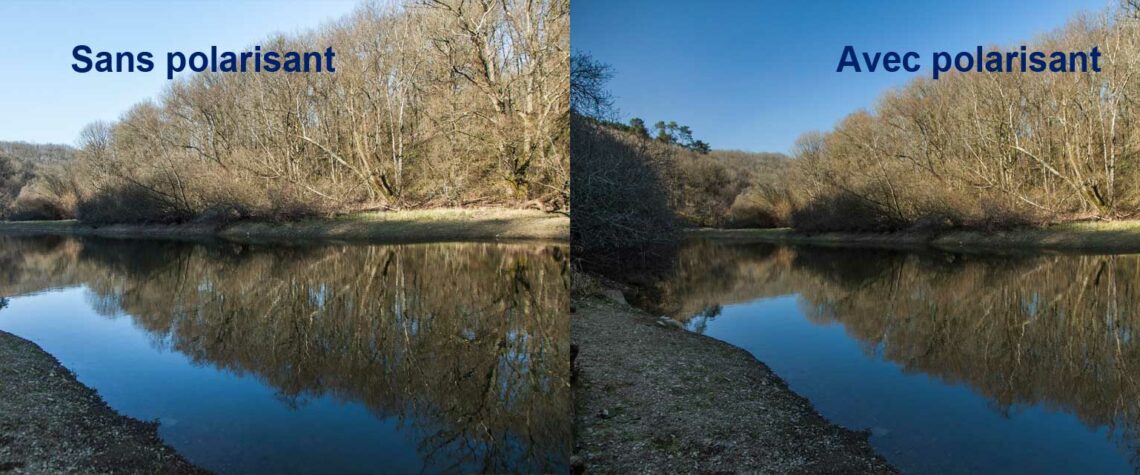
(1053, 330)
(467, 344)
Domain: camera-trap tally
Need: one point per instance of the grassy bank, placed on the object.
(1089, 236)
(449, 224)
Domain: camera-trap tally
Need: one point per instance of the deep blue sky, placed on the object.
(755, 75)
(43, 100)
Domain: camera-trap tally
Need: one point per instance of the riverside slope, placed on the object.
(653, 399)
(52, 423)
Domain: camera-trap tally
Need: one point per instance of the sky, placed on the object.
(754, 75)
(43, 100)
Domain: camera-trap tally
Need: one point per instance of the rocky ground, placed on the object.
(650, 397)
(52, 423)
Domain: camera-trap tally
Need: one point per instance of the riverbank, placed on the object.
(649, 397)
(435, 225)
(52, 423)
(1087, 236)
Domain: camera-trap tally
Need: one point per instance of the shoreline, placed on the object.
(1094, 237)
(650, 397)
(52, 423)
(434, 225)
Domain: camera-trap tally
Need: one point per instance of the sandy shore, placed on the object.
(478, 224)
(652, 398)
(52, 423)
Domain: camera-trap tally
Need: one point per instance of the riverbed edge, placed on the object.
(55, 423)
(830, 446)
(1095, 237)
(414, 226)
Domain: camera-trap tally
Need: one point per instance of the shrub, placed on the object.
(289, 204)
(38, 208)
(130, 204)
(845, 212)
(761, 207)
(620, 206)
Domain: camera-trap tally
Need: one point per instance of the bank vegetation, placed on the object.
(986, 150)
(971, 151)
(433, 103)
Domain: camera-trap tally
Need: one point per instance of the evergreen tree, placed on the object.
(638, 127)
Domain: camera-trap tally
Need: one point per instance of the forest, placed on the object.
(986, 150)
(972, 150)
(434, 103)
(634, 188)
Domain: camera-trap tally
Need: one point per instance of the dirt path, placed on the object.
(52, 423)
(663, 400)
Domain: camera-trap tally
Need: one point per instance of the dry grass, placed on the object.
(390, 226)
(1090, 236)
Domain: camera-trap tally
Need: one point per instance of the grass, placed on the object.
(1089, 236)
(1109, 236)
(445, 224)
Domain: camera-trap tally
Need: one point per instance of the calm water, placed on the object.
(956, 363)
(335, 359)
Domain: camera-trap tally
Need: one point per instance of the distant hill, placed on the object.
(20, 164)
(708, 187)
(34, 152)
(758, 166)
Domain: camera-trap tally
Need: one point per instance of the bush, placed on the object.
(288, 204)
(620, 206)
(765, 207)
(845, 212)
(997, 216)
(130, 204)
(38, 208)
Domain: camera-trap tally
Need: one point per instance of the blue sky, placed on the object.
(43, 100)
(755, 75)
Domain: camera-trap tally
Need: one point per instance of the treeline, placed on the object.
(987, 150)
(971, 150)
(706, 187)
(634, 189)
(433, 103)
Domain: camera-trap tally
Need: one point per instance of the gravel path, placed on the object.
(52, 423)
(652, 398)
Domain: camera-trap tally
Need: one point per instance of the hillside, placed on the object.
(25, 169)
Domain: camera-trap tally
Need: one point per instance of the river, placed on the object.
(956, 363)
(312, 359)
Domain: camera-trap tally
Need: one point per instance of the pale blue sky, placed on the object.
(43, 100)
(754, 75)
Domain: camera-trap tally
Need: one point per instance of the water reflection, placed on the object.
(1054, 332)
(464, 345)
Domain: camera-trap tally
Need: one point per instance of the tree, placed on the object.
(588, 94)
(434, 103)
(638, 127)
(673, 133)
(663, 134)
